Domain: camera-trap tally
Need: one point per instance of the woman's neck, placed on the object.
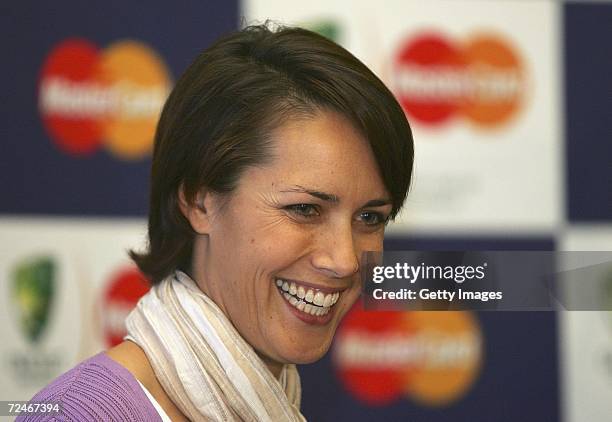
(275, 367)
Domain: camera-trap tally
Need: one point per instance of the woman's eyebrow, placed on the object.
(330, 197)
(377, 203)
(317, 194)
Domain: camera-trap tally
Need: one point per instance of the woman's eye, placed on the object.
(372, 218)
(303, 210)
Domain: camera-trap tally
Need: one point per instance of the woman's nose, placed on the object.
(335, 253)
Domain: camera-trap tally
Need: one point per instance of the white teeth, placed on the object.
(323, 311)
(309, 296)
(313, 302)
(319, 299)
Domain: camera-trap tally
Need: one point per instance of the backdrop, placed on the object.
(510, 107)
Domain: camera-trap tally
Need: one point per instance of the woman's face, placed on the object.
(281, 255)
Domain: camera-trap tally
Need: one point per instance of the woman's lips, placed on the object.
(312, 286)
(310, 305)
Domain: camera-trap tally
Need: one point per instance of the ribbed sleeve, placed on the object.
(98, 389)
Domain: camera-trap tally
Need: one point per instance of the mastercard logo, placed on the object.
(121, 295)
(482, 80)
(90, 98)
(431, 357)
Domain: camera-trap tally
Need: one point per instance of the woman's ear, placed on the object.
(197, 212)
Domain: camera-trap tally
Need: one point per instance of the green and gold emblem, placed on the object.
(32, 292)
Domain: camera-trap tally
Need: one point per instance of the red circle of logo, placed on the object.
(68, 75)
(124, 290)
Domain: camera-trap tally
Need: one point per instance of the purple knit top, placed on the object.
(97, 389)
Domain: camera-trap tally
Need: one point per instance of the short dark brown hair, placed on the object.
(218, 119)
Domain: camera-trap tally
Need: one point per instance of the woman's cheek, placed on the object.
(371, 242)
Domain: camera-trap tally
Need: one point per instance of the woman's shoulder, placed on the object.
(133, 358)
(98, 388)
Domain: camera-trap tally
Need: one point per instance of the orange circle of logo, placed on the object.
(89, 97)
(482, 80)
(496, 80)
(449, 358)
(432, 357)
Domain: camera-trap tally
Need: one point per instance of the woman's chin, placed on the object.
(302, 353)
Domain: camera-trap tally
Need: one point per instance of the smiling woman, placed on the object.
(301, 220)
(279, 158)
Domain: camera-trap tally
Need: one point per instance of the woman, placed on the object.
(278, 160)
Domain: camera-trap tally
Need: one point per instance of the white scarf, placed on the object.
(206, 368)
